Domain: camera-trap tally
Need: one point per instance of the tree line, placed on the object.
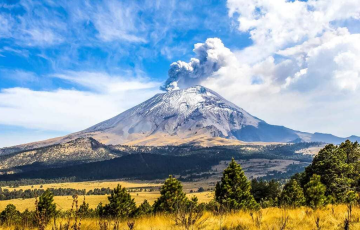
(332, 178)
(6, 194)
(24, 182)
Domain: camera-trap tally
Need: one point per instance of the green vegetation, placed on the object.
(147, 163)
(172, 196)
(266, 193)
(292, 195)
(338, 168)
(6, 194)
(315, 192)
(332, 177)
(233, 191)
(120, 205)
(46, 206)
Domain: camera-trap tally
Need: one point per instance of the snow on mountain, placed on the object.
(195, 115)
(186, 113)
(183, 113)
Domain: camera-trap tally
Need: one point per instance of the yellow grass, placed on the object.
(64, 202)
(270, 218)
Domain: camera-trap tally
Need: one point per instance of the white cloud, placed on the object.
(70, 110)
(307, 89)
(105, 83)
(302, 70)
(45, 24)
(20, 76)
(277, 24)
(116, 21)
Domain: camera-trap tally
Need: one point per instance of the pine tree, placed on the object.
(338, 167)
(46, 205)
(172, 196)
(120, 205)
(315, 192)
(10, 215)
(292, 195)
(144, 209)
(233, 192)
(84, 209)
(266, 193)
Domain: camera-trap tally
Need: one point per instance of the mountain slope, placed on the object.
(195, 115)
(184, 114)
(82, 150)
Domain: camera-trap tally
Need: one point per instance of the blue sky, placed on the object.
(66, 65)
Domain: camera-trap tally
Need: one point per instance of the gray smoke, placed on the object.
(210, 57)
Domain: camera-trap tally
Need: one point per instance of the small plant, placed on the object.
(347, 220)
(189, 214)
(317, 223)
(257, 219)
(346, 224)
(131, 225)
(103, 225)
(284, 220)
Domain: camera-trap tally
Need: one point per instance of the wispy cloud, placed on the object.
(21, 52)
(19, 76)
(102, 82)
(70, 110)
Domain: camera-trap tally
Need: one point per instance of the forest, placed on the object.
(148, 163)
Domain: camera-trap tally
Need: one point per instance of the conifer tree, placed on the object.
(84, 209)
(46, 205)
(233, 191)
(10, 215)
(315, 192)
(292, 195)
(120, 205)
(172, 196)
(339, 169)
(144, 209)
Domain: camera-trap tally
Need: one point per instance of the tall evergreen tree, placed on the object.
(172, 196)
(315, 192)
(339, 168)
(10, 215)
(120, 205)
(233, 191)
(292, 195)
(46, 205)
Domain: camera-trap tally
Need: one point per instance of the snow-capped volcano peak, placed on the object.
(195, 115)
(183, 113)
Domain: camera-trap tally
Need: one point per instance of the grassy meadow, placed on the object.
(64, 202)
(330, 217)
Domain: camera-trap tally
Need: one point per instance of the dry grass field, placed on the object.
(331, 217)
(64, 202)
